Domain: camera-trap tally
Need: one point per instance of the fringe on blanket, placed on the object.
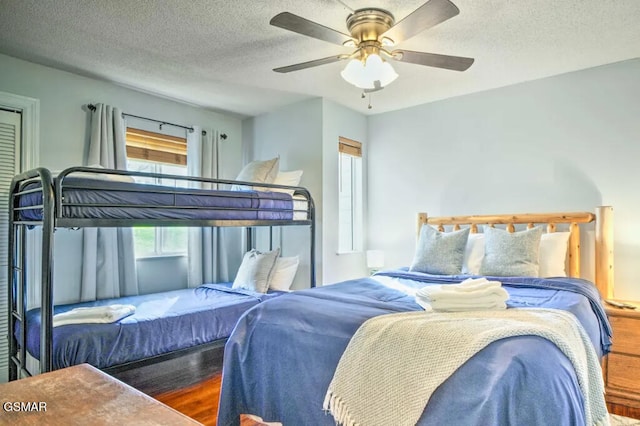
(335, 406)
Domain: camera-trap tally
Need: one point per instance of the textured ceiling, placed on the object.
(220, 54)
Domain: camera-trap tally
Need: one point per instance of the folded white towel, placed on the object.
(96, 314)
(436, 293)
(470, 295)
(473, 284)
(461, 307)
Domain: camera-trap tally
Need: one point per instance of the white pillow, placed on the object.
(256, 270)
(291, 178)
(553, 254)
(284, 273)
(552, 257)
(260, 172)
(473, 254)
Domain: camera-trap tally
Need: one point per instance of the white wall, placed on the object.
(569, 142)
(64, 121)
(337, 121)
(294, 133)
(64, 124)
(305, 135)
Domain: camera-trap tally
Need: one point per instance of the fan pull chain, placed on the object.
(364, 95)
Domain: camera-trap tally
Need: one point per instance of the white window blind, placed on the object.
(350, 222)
(10, 123)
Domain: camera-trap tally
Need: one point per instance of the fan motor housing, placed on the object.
(369, 24)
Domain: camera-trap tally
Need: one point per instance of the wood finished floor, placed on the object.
(200, 402)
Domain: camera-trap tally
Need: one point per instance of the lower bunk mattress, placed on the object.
(162, 323)
(282, 355)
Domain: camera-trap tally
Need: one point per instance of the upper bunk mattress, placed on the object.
(87, 198)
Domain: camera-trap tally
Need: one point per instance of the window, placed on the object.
(162, 154)
(350, 196)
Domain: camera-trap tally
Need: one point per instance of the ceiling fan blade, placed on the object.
(309, 64)
(455, 63)
(303, 26)
(426, 16)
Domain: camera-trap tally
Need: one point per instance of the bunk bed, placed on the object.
(81, 197)
(364, 336)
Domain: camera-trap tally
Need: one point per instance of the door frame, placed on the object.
(30, 144)
(29, 155)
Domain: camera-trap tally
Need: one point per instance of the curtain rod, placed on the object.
(223, 136)
(92, 107)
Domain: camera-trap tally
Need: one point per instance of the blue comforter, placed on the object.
(163, 322)
(281, 356)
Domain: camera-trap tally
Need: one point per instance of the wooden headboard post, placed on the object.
(604, 251)
(422, 220)
(603, 235)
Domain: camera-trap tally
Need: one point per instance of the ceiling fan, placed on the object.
(372, 32)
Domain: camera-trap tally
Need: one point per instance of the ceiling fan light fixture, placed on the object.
(365, 74)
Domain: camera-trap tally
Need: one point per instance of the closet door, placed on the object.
(10, 124)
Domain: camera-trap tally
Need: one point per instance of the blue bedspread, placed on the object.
(163, 322)
(281, 357)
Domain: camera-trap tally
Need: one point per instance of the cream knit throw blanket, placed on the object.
(395, 362)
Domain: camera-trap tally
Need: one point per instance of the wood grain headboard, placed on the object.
(603, 218)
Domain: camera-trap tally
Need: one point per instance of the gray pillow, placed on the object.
(440, 253)
(256, 270)
(511, 254)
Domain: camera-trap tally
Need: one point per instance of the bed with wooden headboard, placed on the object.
(603, 232)
(296, 341)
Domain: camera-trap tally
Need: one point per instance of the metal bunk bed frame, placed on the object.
(53, 204)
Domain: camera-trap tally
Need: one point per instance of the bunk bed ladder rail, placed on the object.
(15, 290)
(311, 214)
(312, 230)
(17, 276)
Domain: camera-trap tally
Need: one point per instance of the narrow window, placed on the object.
(350, 195)
(161, 154)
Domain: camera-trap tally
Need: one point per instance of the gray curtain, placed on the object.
(108, 258)
(207, 251)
